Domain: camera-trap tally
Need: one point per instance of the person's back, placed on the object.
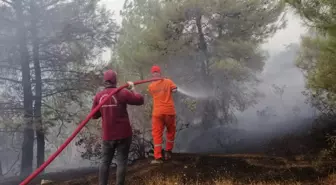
(116, 127)
(163, 114)
(161, 92)
(115, 120)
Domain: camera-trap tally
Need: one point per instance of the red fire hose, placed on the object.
(78, 129)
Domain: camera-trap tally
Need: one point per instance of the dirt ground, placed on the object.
(189, 169)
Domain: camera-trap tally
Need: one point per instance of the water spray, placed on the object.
(195, 94)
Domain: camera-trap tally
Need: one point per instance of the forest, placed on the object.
(52, 62)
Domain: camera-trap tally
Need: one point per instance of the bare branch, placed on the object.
(51, 3)
(8, 2)
(10, 80)
(9, 67)
(59, 92)
(10, 169)
(14, 130)
(10, 106)
(60, 128)
(46, 80)
(61, 71)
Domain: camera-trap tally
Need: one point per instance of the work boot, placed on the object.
(157, 161)
(168, 155)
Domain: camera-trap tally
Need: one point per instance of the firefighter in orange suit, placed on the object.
(163, 115)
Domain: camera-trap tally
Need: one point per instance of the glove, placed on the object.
(130, 86)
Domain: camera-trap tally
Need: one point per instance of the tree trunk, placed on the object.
(38, 86)
(210, 112)
(203, 47)
(1, 173)
(28, 140)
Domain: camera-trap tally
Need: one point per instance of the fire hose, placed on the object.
(77, 130)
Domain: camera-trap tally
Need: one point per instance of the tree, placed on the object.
(28, 142)
(213, 44)
(317, 60)
(80, 39)
(60, 39)
(317, 54)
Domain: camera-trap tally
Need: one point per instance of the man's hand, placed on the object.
(130, 86)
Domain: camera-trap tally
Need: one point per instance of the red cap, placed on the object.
(156, 69)
(111, 76)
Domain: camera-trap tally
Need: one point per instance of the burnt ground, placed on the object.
(55, 176)
(205, 169)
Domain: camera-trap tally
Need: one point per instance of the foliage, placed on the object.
(316, 59)
(212, 44)
(318, 14)
(317, 53)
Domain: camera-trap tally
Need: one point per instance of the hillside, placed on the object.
(221, 170)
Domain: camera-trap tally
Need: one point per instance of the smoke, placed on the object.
(278, 114)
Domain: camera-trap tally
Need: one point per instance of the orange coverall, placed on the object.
(163, 114)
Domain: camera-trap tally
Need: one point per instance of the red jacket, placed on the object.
(115, 120)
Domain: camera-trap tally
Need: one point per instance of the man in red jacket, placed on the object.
(116, 128)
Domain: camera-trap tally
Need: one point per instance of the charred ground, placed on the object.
(219, 169)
